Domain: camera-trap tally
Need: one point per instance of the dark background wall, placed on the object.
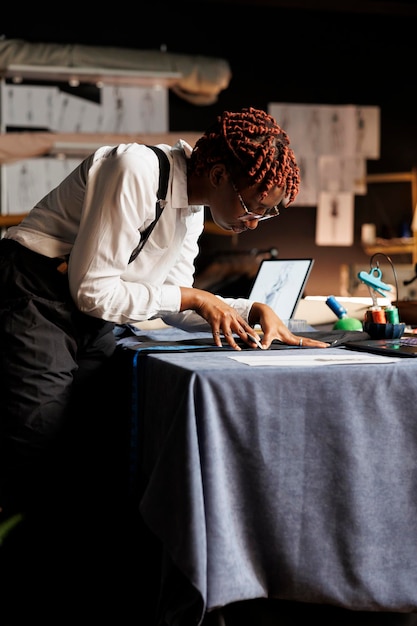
(314, 52)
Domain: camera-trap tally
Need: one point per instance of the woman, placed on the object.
(67, 274)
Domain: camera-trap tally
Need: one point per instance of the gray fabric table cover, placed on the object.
(288, 483)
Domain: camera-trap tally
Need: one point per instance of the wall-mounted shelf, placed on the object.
(390, 246)
(395, 246)
(97, 76)
(14, 219)
(32, 100)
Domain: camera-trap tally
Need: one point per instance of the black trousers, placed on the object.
(51, 361)
(79, 553)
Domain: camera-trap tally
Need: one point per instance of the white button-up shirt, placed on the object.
(96, 214)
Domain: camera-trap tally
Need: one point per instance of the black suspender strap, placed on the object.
(161, 195)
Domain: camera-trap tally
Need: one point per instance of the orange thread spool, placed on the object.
(378, 316)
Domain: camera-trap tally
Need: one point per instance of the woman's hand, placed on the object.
(223, 319)
(226, 321)
(274, 328)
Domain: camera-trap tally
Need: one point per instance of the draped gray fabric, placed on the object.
(288, 483)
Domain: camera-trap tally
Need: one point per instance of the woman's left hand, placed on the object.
(274, 328)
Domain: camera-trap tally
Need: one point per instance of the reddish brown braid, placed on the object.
(251, 144)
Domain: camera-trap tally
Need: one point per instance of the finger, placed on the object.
(216, 337)
(314, 343)
(231, 341)
(244, 330)
(250, 336)
(307, 342)
(290, 339)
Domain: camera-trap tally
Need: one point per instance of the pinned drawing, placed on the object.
(335, 219)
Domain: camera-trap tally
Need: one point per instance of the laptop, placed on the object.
(405, 346)
(280, 283)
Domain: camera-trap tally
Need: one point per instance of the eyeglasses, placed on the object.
(253, 215)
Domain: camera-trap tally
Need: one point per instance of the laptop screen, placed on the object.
(280, 283)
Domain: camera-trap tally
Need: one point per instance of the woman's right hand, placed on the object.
(223, 319)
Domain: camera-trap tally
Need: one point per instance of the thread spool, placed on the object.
(378, 315)
(392, 315)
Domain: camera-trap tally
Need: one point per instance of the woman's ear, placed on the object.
(218, 175)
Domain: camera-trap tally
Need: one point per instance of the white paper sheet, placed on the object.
(304, 359)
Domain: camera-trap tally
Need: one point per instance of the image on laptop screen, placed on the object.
(280, 283)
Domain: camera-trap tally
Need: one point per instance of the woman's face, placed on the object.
(240, 210)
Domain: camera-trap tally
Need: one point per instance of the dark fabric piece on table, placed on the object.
(172, 340)
(334, 337)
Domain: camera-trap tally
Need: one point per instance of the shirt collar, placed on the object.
(180, 152)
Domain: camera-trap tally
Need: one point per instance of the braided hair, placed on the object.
(251, 144)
